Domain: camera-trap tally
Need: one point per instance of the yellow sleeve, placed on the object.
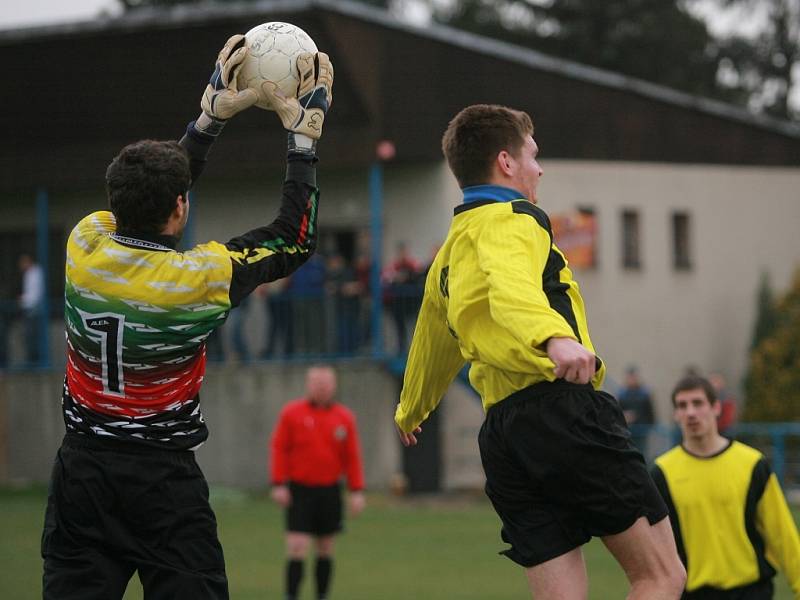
(777, 527)
(512, 253)
(434, 360)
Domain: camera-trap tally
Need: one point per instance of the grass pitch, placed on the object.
(411, 550)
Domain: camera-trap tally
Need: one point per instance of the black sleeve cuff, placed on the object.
(197, 143)
(302, 168)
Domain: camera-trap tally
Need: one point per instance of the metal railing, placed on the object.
(779, 442)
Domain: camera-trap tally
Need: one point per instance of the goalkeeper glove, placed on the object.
(303, 116)
(222, 98)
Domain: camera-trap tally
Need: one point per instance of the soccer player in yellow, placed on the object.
(560, 466)
(731, 522)
(126, 494)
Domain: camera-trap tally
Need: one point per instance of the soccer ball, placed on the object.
(272, 50)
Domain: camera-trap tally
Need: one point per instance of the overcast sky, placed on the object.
(19, 13)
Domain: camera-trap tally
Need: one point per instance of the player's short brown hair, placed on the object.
(143, 182)
(695, 382)
(477, 134)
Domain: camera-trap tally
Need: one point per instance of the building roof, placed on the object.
(88, 88)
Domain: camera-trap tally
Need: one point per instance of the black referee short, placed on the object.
(560, 469)
(316, 510)
(114, 508)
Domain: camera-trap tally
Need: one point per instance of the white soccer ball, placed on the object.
(272, 50)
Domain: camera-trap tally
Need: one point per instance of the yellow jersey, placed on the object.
(498, 289)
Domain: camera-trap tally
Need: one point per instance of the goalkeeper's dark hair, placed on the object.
(695, 382)
(477, 134)
(142, 183)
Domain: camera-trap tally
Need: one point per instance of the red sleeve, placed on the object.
(279, 450)
(353, 466)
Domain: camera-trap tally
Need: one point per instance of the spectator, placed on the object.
(345, 290)
(31, 304)
(636, 403)
(306, 291)
(237, 321)
(7, 312)
(729, 516)
(315, 444)
(403, 293)
(279, 318)
(727, 402)
(363, 270)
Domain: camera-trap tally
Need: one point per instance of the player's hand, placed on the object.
(357, 503)
(281, 495)
(574, 362)
(305, 114)
(408, 439)
(222, 98)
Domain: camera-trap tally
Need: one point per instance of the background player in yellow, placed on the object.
(560, 466)
(731, 522)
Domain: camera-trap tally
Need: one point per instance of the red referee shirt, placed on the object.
(316, 445)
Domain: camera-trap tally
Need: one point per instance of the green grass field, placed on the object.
(426, 550)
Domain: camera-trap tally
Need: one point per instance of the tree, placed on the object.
(757, 69)
(766, 314)
(655, 40)
(772, 385)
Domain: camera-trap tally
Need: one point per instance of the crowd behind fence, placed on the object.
(325, 311)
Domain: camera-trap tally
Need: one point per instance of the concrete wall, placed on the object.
(240, 406)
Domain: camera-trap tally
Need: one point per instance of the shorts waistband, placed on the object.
(82, 441)
(543, 387)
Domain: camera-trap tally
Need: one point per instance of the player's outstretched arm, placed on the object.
(278, 249)
(221, 100)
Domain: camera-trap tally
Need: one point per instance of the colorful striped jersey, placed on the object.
(138, 314)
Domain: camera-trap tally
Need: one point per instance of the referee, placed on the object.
(315, 444)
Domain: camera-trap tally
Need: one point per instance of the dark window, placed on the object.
(681, 244)
(631, 240)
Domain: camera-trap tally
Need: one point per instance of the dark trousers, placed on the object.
(115, 509)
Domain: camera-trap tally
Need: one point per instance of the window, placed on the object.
(681, 246)
(631, 240)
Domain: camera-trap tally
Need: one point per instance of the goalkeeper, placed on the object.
(126, 494)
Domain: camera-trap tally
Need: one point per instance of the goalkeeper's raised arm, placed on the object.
(272, 251)
(276, 250)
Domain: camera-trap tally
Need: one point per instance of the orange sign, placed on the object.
(575, 234)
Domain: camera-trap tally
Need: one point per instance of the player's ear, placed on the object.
(505, 163)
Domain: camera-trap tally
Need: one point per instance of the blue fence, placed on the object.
(779, 442)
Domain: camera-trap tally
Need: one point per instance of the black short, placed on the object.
(560, 469)
(114, 509)
(761, 590)
(315, 509)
